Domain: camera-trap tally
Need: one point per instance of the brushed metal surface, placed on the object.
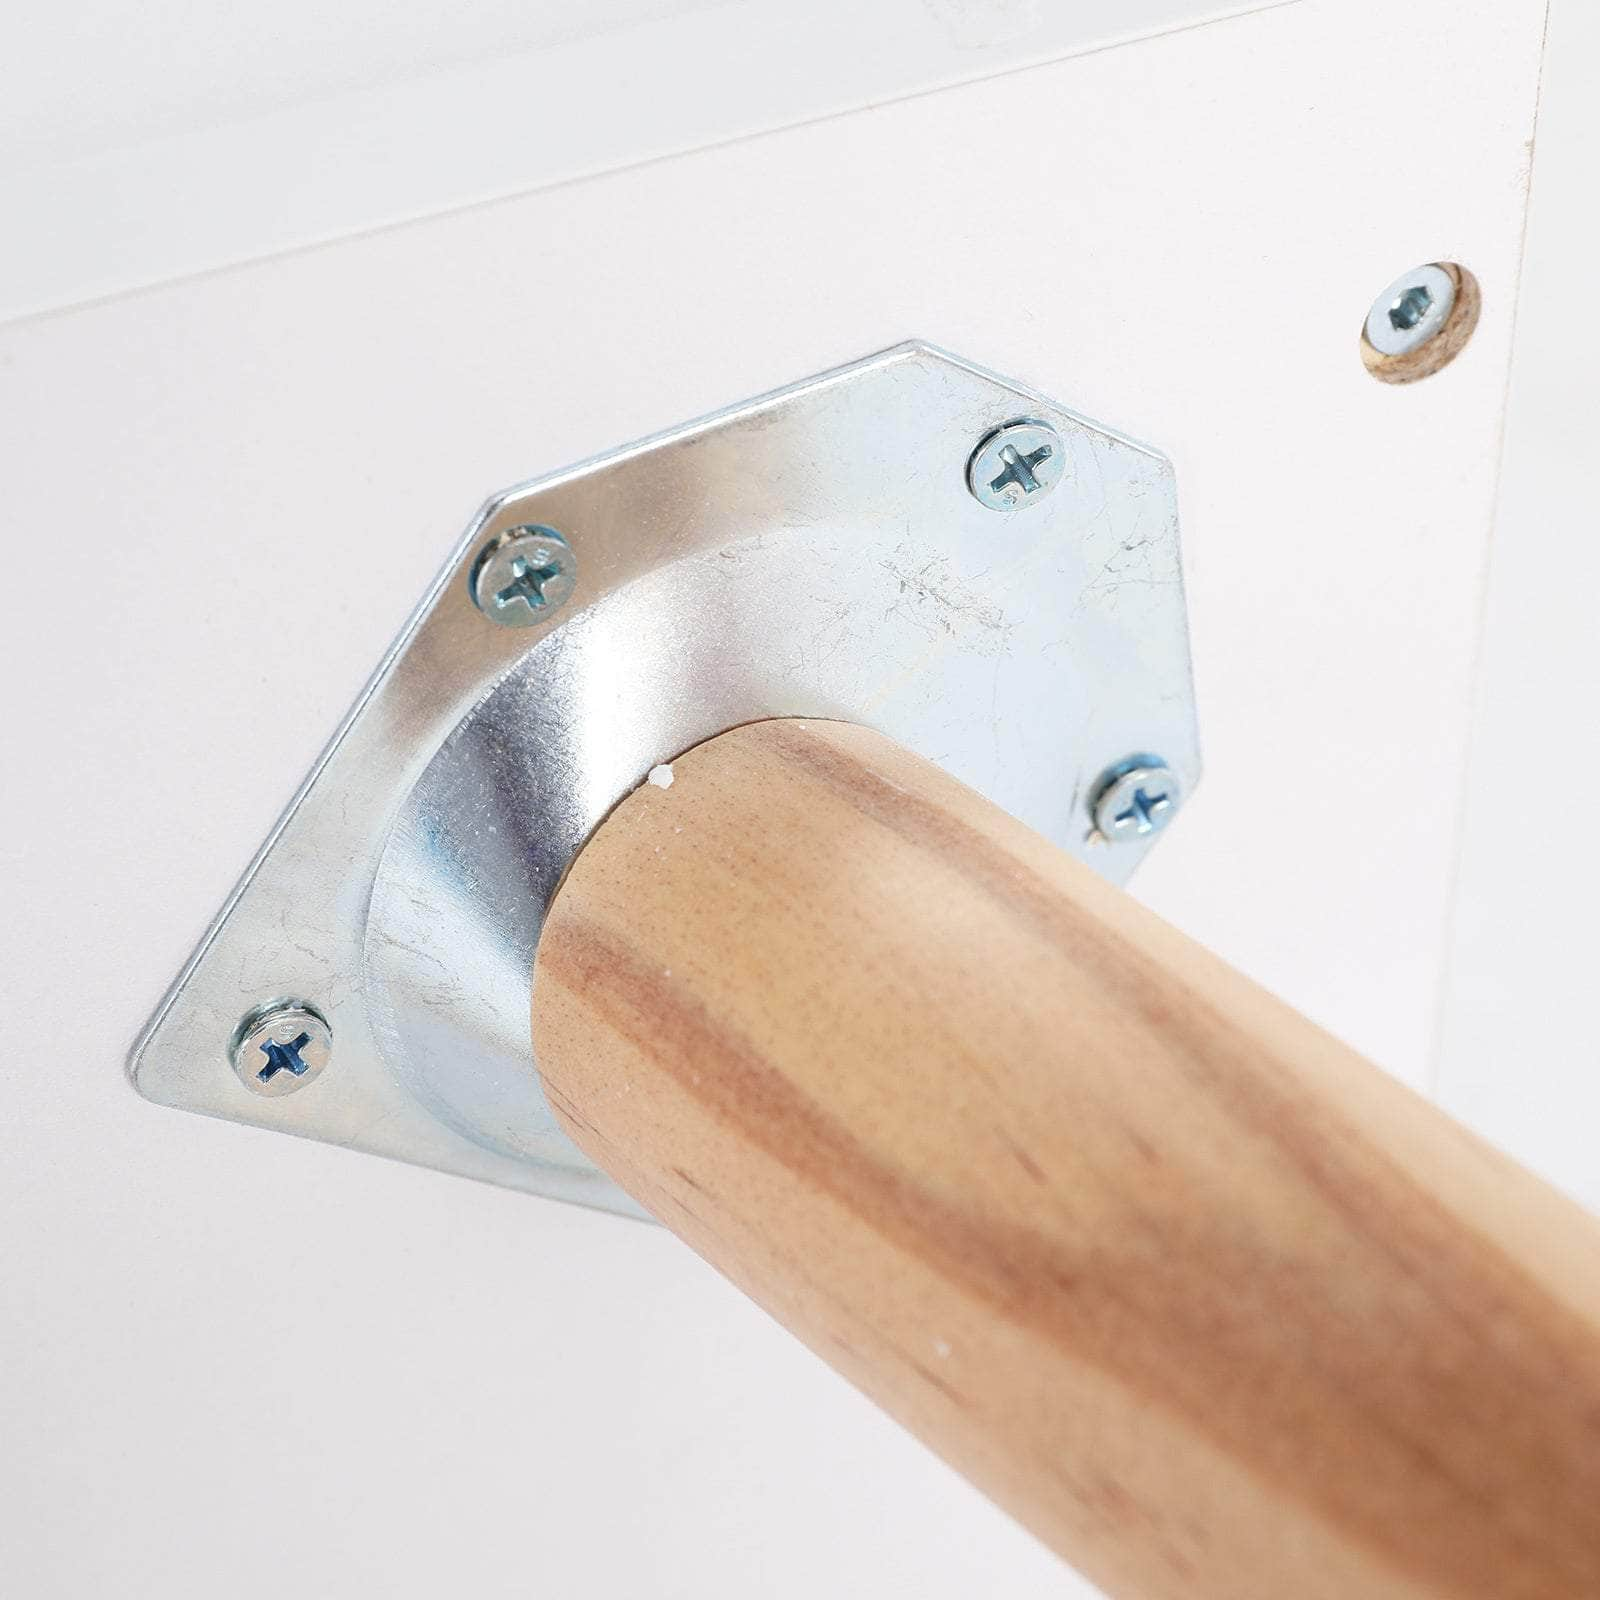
(814, 553)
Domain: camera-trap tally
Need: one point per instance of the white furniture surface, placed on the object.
(1518, 1053)
(268, 353)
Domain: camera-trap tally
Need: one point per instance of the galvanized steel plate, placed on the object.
(813, 553)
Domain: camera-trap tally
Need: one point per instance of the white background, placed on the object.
(142, 143)
(233, 1363)
(1519, 1053)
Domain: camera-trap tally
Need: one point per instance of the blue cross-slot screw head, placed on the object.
(1135, 799)
(528, 584)
(1016, 466)
(280, 1047)
(284, 1057)
(524, 575)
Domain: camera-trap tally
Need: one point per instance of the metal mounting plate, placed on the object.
(816, 552)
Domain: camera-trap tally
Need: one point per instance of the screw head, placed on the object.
(1135, 799)
(280, 1047)
(1016, 466)
(523, 575)
(1411, 311)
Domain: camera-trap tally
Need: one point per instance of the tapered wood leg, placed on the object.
(1215, 1307)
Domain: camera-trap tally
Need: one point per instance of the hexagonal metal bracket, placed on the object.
(817, 552)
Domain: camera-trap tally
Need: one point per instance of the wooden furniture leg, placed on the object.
(1218, 1309)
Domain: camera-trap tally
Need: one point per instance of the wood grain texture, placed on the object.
(1212, 1305)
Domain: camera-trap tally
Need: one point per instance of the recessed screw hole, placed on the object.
(1020, 469)
(284, 1058)
(1410, 308)
(527, 584)
(1144, 812)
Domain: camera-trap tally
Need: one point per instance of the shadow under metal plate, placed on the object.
(813, 553)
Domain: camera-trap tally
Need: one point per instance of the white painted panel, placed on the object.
(150, 143)
(243, 1364)
(84, 77)
(1520, 1052)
